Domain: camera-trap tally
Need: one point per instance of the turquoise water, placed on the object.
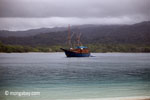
(106, 75)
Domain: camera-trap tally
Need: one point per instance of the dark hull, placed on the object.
(73, 54)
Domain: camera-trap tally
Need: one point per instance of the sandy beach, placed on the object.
(120, 98)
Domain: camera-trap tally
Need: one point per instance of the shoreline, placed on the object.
(63, 52)
(116, 98)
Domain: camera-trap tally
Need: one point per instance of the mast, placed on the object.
(78, 39)
(69, 37)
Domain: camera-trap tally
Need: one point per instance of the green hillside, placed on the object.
(99, 38)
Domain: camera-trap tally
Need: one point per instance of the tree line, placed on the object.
(92, 47)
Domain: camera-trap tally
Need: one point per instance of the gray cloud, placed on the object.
(73, 8)
(33, 23)
(45, 13)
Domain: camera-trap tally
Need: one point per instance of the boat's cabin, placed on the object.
(80, 49)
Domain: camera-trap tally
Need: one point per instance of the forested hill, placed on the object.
(31, 32)
(91, 34)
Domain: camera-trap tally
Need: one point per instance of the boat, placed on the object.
(78, 51)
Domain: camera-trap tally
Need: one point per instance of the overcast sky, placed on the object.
(29, 14)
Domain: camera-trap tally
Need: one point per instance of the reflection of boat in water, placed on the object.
(78, 51)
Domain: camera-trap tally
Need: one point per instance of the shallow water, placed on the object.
(106, 75)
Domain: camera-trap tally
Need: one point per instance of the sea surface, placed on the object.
(53, 76)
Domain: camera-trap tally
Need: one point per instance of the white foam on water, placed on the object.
(115, 98)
